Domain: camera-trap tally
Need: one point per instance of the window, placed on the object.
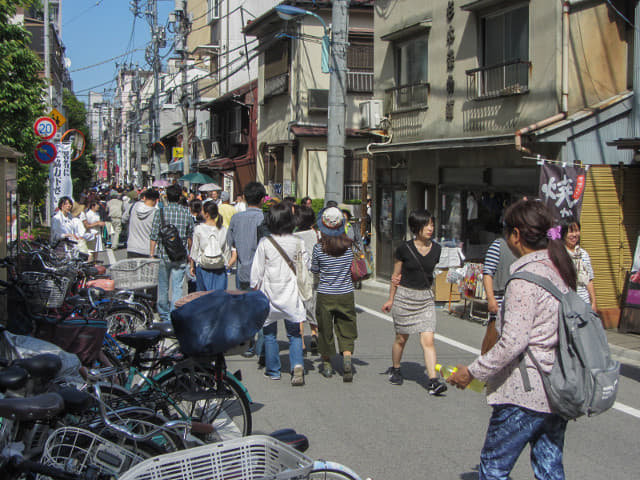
(360, 64)
(213, 10)
(504, 58)
(276, 69)
(412, 90)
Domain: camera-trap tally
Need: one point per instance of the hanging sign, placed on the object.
(45, 152)
(60, 175)
(45, 128)
(562, 188)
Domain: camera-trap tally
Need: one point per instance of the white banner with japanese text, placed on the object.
(60, 184)
(562, 189)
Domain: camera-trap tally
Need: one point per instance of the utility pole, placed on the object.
(184, 25)
(138, 127)
(337, 101)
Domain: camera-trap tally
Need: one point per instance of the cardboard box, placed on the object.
(441, 289)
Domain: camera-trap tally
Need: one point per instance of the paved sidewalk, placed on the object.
(625, 347)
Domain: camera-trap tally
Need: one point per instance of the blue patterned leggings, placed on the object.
(510, 429)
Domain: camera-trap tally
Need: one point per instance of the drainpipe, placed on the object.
(564, 102)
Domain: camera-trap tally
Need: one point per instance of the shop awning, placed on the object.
(227, 163)
(176, 166)
(443, 144)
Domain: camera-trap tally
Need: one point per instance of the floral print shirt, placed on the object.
(530, 319)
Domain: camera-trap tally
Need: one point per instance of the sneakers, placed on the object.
(271, 377)
(395, 376)
(436, 386)
(326, 370)
(347, 370)
(297, 377)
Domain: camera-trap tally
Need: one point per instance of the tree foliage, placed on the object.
(21, 100)
(82, 169)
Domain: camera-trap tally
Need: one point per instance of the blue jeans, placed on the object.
(272, 352)
(510, 429)
(207, 280)
(169, 273)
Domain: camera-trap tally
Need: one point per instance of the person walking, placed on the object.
(240, 205)
(62, 225)
(210, 253)
(140, 220)
(271, 274)
(335, 303)
(411, 302)
(570, 232)
(523, 417)
(171, 275)
(90, 218)
(305, 221)
(115, 209)
(226, 209)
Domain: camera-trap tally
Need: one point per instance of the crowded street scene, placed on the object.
(303, 239)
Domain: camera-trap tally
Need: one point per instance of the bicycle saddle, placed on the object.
(166, 328)
(45, 365)
(40, 407)
(75, 401)
(141, 340)
(13, 378)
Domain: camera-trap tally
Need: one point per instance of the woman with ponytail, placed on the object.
(530, 319)
(210, 252)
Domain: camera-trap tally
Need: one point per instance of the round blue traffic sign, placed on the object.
(46, 152)
(45, 128)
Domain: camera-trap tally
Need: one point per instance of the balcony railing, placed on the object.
(360, 82)
(407, 97)
(509, 78)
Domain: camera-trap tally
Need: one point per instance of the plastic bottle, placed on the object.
(446, 371)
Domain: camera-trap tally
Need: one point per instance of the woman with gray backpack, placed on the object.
(210, 252)
(528, 326)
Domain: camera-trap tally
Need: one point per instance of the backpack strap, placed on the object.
(283, 253)
(553, 290)
(162, 216)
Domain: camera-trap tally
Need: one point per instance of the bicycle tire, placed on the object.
(226, 408)
(325, 470)
(125, 320)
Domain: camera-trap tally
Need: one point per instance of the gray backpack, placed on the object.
(584, 378)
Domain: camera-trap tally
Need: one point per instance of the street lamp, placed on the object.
(289, 12)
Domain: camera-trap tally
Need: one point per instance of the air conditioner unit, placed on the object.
(318, 100)
(215, 148)
(370, 114)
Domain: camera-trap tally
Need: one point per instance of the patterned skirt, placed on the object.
(413, 311)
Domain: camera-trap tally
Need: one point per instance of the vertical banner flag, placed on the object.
(60, 175)
(562, 188)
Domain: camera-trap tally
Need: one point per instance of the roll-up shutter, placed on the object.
(610, 223)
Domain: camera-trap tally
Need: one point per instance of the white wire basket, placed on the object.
(45, 289)
(135, 273)
(74, 449)
(247, 458)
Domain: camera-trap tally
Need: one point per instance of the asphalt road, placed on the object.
(400, 432)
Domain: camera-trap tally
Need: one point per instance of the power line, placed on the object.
(106, 61)
(82, 13)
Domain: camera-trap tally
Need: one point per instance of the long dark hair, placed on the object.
(212, 210)
(533, 220)
(335, 246)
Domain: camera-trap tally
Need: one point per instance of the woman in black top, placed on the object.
(411, 303)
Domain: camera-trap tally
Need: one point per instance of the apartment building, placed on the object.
(476, 93)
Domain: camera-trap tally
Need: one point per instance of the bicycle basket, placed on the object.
(45, 289)
(135, 273)
(75, 449)
(247, 458)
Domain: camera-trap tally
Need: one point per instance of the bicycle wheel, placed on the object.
(125, 320)
(324, 470)
(223, 404)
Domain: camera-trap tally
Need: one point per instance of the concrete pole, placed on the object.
(153, 6)
(337, 101)
(183, 33)
(635, 119)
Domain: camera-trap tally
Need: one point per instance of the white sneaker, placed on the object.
(297, 377)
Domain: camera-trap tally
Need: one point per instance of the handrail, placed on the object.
(497, 65)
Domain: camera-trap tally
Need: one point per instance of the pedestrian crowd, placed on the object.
(267, 247)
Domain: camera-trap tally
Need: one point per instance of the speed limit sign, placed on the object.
(45, 128)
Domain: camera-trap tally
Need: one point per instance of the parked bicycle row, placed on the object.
(114, 389)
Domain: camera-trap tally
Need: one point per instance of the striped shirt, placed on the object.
(176, 215)
(491, 261)
(335, 272)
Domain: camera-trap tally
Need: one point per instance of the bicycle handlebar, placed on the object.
(186, 424)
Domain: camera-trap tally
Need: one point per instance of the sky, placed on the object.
(96, 31)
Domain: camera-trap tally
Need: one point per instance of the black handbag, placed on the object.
(171, 240)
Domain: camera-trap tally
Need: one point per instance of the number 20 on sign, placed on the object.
(45, 128)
